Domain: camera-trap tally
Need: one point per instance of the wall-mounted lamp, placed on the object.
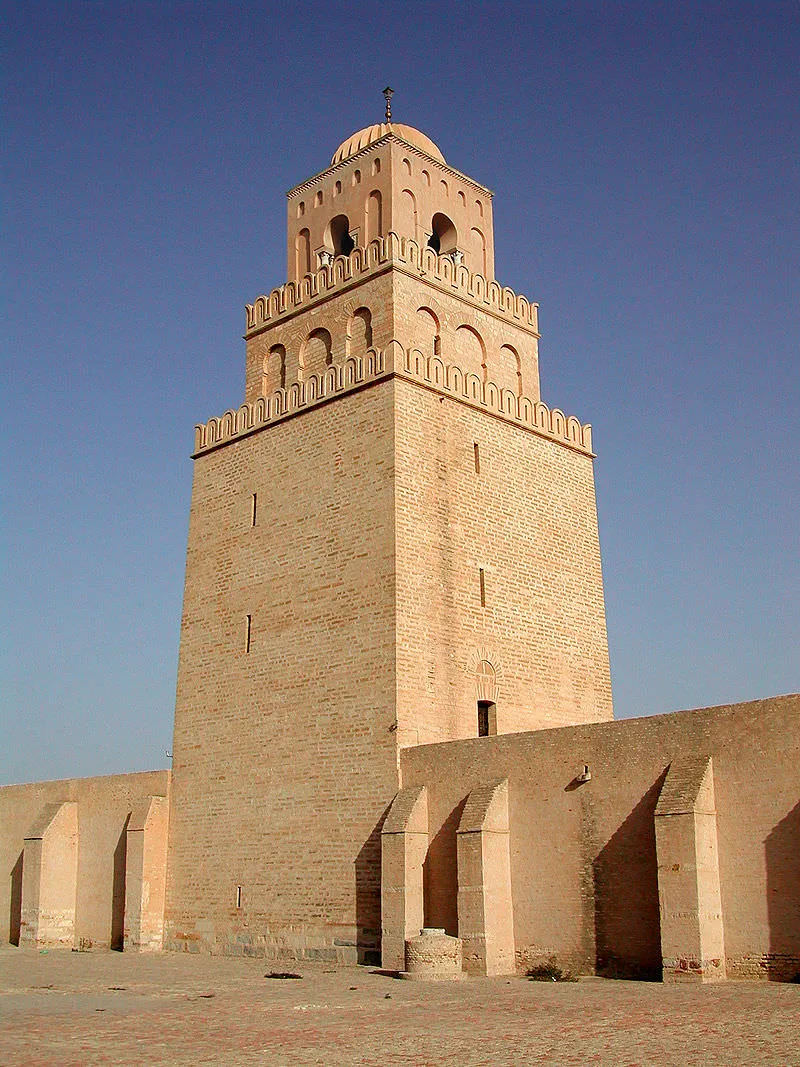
(585, 775)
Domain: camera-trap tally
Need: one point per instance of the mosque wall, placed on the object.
(63, 854)
(589, 875)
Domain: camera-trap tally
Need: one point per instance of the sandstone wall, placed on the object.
(104, 806)
(584, 869)
(284, 754)
(527, 519)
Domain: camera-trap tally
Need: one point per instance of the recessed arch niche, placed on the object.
(316, 353)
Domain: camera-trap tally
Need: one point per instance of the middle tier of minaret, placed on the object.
(392, 292)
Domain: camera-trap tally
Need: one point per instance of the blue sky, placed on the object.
(646, 171)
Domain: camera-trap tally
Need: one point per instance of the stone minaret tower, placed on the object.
(392, 542)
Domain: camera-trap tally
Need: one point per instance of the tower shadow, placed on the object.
(782, 854)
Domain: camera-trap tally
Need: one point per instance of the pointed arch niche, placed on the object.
(373, 222)
(428, 338)
(407, 220)
(359, 333)
(470, 352)
(508, 372)
(316, 353)
(302, 253)
(274, 376)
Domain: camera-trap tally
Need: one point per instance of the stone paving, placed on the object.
(76, 1008)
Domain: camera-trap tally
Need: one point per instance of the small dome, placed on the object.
(367, 136)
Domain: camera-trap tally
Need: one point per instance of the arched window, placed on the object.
(486, 683)
(356, 177)
(302, 249)
(376, 166)
(337, 236)
(444, 238)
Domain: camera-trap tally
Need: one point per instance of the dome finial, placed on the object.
(387, 92)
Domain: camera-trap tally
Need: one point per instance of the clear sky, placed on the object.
(645, 163)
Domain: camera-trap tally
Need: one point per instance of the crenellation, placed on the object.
(449, 379)
(384, 253)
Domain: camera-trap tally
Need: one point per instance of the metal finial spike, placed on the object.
(387, 92)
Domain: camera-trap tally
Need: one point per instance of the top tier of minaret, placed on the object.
(389, 177)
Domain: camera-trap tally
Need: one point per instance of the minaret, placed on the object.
(392, 542)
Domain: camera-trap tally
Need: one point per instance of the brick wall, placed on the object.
(284, 757)
(528, 520)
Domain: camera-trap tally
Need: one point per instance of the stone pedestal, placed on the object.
(433, 956)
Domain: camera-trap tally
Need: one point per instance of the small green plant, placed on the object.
(549, 971)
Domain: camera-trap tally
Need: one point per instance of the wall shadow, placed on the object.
(627, 918)
(117, 939)
(15, 917)
(440, 876)
(368, 897)
(782, 854)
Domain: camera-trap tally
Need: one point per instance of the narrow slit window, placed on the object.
(482, 580)
(253, 509)
(248, 632)
(238, 896)
(477, 458)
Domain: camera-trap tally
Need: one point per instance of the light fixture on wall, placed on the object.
(585, 775)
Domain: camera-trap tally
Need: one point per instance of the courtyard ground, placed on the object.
(85, 1008)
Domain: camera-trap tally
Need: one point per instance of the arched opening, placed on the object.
(302, 249)
(444, 238)
(374, 219)
(338, 237)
